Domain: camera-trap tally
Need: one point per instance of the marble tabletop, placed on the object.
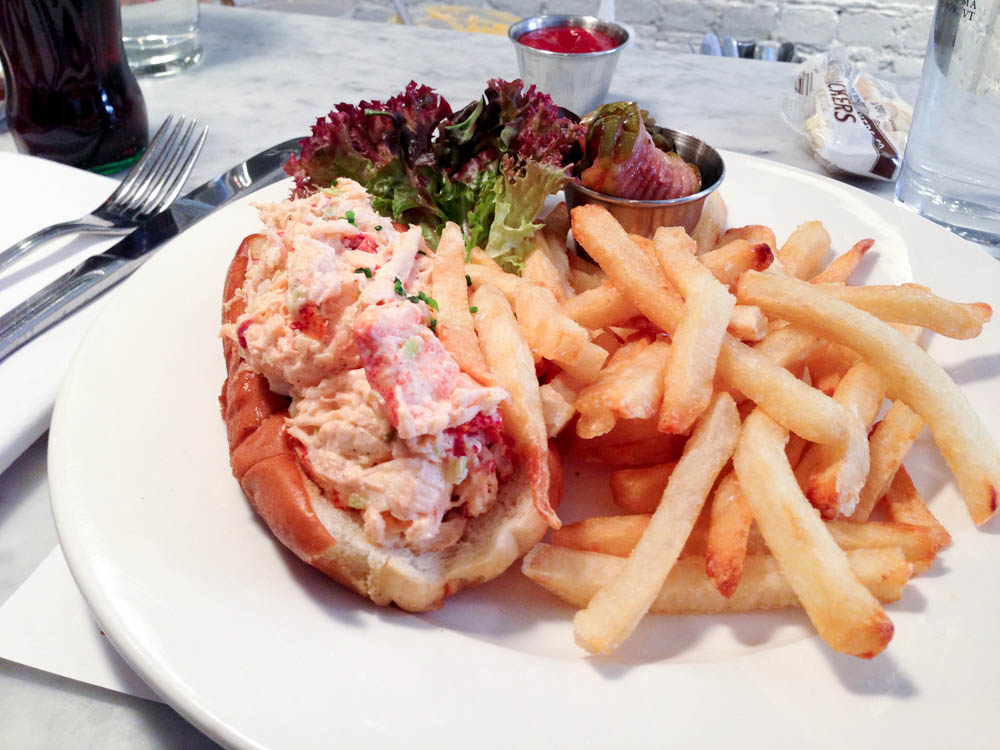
(264, 78)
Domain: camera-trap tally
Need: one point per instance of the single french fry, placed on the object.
(581, 281)
(748, 323)
(614, 611)
(917, 306)
(905, 505)
(844, 612)
(890, 442)
(451, 294)
(479, 257)
(549, 331)
(690, 370)
(639, 490)
(843, 266)
(601, 307)
(576, 576)
(509, 359)
(804, 249)
(755, 233)
(480, 274)
(538, 269)
(728, 530)
(582, 264)
(586, 368)
(632, 390)
(914, 378)
(790, 347)
(709, 228)
(827, 367)
(548, 266)
(618, 535)
(728, 262)
(610, 535)
(558, 397)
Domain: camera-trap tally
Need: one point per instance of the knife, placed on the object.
(96, 274)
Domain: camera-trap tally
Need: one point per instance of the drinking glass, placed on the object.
(161, 36)
(951, 167)
(70, 95)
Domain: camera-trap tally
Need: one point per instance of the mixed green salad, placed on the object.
(487, 167)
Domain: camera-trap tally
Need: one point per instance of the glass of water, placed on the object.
(951, 168)
(161, 36)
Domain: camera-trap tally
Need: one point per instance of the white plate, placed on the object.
(258, 650)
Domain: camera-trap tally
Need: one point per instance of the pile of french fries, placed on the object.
(735, 385)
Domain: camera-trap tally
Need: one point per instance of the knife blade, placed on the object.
(99, 272)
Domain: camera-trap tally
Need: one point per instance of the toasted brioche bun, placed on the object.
(332, 539)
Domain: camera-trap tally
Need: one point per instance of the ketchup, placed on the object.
(568, 39)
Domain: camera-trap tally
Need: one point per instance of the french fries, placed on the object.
(914, 378)
(755, 233)
(614, 611)
(728, 531)
(905, 505)
(509, 359)
(577, 577)
(558, 398)
(631, 388)
(710, 226)
(708, 306)
(915, 305)
(454, 321)
(844, 612)
(548, 266)
(639, 490)
(618, 535)
(890, 441)
(804, 249)
(651, 343)
(728, 262)
(843, 266)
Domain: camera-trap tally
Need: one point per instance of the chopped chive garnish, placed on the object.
(431, 302)
(434, 323)
(413, 298)
(366, 271)
(468, 281)
(378, 227)
(473, 309)
(398, 286)
(350, 216)
(421, 252)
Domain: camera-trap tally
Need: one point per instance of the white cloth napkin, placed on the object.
(33, 194)
(45, 624)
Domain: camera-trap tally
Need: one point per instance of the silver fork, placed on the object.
(153, 183)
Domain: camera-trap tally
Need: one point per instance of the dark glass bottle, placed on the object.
(70, 94)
